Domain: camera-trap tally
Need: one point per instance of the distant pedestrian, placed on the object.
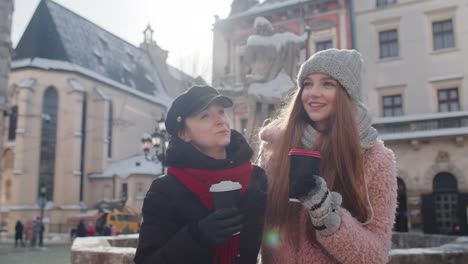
(19, 233)
(90, 231)
(106, 230)
(113, 230)
(81, 229)
(41, 234)
(36, 230)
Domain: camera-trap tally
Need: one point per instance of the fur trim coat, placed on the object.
(353, 242)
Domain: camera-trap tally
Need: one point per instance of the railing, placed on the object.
(422, 126)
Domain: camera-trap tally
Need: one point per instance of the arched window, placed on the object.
(48, 142)
(444, 182)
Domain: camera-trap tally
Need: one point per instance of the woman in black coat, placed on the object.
(19, 233)
(180, 224)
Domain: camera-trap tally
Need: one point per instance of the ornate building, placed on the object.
(6, 9)
(415, 82)
(259, 47)
(80, 99)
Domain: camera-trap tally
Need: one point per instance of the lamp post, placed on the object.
(158, 140)
(308, 30)
(42, 200)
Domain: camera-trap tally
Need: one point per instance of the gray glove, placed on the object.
(220, 225)
(323, 207)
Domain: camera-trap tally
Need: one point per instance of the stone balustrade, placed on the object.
(406, 248)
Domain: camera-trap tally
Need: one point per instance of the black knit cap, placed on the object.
(192, 102)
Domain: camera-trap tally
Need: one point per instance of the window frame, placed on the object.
(442, 34)
(388, 43)
(393, 107)
(449, 100)
(325, 43)
(384, 3)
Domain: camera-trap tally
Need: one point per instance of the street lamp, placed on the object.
(308, 30)
(42, 200)
(159, 141)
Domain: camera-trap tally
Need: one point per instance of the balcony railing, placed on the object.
(422, 126)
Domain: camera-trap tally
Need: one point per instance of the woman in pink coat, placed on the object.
(345, 214)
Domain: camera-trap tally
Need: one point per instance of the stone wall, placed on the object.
(104, 250)
(416, 240)
(427, 249)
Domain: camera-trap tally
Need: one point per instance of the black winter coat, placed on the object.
(169, 233)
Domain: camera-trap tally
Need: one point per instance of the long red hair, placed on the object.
(341, 166)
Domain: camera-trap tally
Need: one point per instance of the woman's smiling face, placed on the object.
(319, 98)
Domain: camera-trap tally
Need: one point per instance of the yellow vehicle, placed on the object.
(123, 222)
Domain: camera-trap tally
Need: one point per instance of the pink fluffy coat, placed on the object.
(353, 242)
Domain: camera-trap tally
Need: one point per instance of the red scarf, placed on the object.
(199, 182)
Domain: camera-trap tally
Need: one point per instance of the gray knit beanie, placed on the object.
(343, 65)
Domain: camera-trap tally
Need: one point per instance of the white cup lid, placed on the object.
(225, 186)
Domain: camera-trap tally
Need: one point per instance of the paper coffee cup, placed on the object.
(303, 164)
(225, 194)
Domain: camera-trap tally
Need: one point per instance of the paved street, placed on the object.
(53, 254)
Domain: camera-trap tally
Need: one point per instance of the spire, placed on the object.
(148, 34)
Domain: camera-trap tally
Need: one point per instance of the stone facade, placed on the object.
(134, 115)
(414, 83)
(6, 10)
(81, 99)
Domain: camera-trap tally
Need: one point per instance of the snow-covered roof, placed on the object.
(228, 87)
(46, 64)
(178, 74)
(136, 165)
(274, 89)
(58, 34)
(267, 6)
(277, 40)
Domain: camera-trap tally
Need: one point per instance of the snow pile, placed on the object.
(137, 164)
(268, 6)
(263, 22)
(277, 40)
(274, 89)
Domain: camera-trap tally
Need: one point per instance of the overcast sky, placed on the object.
(183, 27)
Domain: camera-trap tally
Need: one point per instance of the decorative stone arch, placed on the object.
(402, 174)
(441, 168)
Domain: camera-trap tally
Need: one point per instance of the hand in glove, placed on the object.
(323, 207)
(220, 225)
